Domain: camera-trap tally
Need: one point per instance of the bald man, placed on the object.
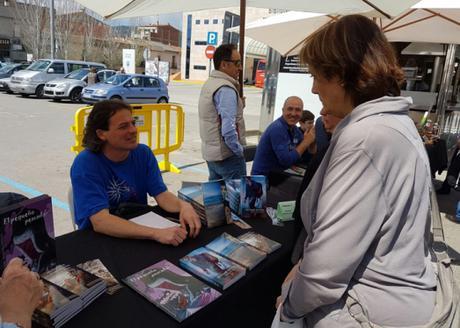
(283, 143)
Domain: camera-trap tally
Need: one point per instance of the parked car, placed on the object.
(71, 85)
(131, 88)
(5, 73)
(5, 85)
(33, 79)
(10, 69)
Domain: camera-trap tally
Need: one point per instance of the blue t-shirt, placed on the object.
(98, 183)
(276, 150)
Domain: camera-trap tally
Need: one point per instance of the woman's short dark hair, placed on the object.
(98, 119)
(307, 116)
(223, 52)
(355, 50)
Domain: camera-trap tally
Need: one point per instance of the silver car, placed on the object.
(70, 86)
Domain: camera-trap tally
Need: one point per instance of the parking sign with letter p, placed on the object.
(212, 38)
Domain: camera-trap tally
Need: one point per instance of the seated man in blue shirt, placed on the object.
(283, 144)
(114, 168)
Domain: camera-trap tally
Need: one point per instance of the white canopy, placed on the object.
(425, 22)
(137, 8)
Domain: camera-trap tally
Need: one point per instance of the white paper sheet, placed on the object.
(154, 220)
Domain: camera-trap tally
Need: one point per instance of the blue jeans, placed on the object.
(233, 167)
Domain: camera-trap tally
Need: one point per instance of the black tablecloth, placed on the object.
(248, 303)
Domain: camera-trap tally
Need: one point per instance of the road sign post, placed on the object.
(209, 53)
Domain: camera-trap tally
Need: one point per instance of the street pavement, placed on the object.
(35, 156)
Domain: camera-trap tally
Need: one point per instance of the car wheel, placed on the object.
(75, 95)
(116, 98)
(162, 100)
(40, 92)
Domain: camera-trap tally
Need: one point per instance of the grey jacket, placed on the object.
(213, 146)
(366, 216)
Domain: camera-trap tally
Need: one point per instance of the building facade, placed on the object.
(195, 28)
(165, 34)
(11, 48)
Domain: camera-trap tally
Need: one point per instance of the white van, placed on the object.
(31, 81)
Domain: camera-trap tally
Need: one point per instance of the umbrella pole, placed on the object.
(446, 82)
(242, 30)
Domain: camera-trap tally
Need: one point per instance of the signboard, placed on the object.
(163, 71)
(294, 80)
(209, 51)
(151, 67)
(5, 44)
(291, 64)
(159, 69)
(129, 61)
(146, 54)
(212, 38)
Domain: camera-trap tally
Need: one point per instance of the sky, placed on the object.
(173, 19)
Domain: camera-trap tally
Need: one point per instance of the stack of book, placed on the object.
(260, 242)
(232, 195)
(27, 232)
(208, 201)
(247, 197)
(224, 260)
(212, 267)
(68, 291)
(172, 289)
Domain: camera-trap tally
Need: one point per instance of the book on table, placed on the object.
(207, 199)
(172, 289)
(236, 250)
(260, 242)
(97, 268)
(27, 232)
(212, 267)
(67, 291)
(247, 197)
(253, 196)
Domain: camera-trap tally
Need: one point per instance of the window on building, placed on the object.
(215, 21)
(188, 45)
(199, 67)
(206, 21)
(6, 3)
(231, 20)
(197, 22)
(200, 43)
(174, 63)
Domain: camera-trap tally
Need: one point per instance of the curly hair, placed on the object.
(99, 119)
(355, 50)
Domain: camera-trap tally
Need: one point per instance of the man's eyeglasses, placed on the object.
(236, 62)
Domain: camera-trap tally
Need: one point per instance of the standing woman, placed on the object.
(366, 211)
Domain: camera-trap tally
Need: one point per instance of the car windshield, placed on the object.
(6, 68)
(78, 74)
(117, 79)
(39, 65)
